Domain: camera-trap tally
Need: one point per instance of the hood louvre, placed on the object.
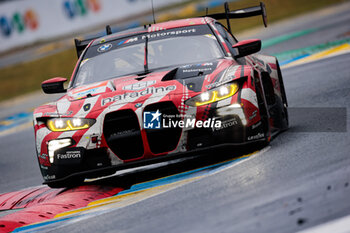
(170, 75)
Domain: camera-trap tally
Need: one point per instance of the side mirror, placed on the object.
(247, 47)
(54, 85)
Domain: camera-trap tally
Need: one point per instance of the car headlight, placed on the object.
(66, 124)
(57, 144)
(214, 95)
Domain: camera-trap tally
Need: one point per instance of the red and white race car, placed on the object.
(155, 92)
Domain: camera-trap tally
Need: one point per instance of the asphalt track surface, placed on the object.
(301, 181)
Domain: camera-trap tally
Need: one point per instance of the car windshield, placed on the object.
(169, 52)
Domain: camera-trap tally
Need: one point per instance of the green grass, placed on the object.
(27, 77)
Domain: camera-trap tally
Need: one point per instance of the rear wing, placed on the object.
(80, 45)
(241, 13)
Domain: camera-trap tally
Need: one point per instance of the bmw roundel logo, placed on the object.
(138, 105)
(104, 48)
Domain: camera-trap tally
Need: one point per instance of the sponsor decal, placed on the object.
(156, 120)
(44, 167)
(191, 123)
(256, 125)
(197, 70)
(151, 120)
(152, 36)
(44, 160)
(48, 177)
(125, 132)
(227, 123)
(85, 93)
(70, 155)
(258, 136)
(128, 41)
(163, 34)
(55, 114)
(201, 64)
(202, 67)
(104, 48)
(87, 107)
(91, 89)
(156, 35)
(135, 95)
(191, 86)
(223, 81)
(139, 86)
(253, 115)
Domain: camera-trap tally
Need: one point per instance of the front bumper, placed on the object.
(111, 150)
(112, 169)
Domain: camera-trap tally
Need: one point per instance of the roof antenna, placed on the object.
(154, 18)
(108, 30)
(206, 11)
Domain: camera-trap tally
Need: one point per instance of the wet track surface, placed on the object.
(301, 181)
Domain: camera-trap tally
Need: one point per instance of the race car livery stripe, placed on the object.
(229, 72)
(97, 127)
(217, 75)
(224, 102)
(249, 95)
(227, 50)
(89, 101)
(63, 106)
(245, 84)
(242, 71)
(40, 135)
(89, 87)
(273, 66)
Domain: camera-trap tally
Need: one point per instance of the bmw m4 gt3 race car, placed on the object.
(155, 92)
